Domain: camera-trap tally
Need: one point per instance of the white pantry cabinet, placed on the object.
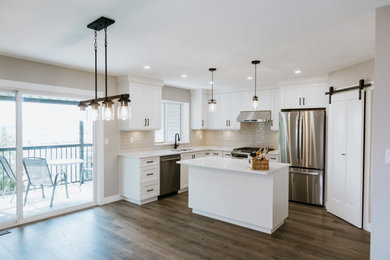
(145, 105)
(303, 96)
(199, 110)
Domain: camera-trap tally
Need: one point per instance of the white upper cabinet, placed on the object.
(275, 109)
(303, 96)
(145, 96)
(199, 110)
(227, 110)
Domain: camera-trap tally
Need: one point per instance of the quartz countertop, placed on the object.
(231, 164)
(163, 152)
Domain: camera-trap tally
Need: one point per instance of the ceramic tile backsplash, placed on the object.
(250, 134)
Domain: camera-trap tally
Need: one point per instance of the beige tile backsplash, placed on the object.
(250, 134)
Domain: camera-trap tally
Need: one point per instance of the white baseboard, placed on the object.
(111, 199)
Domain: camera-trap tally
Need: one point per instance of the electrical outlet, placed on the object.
(387, 160)
(106, 141)
(131, 140)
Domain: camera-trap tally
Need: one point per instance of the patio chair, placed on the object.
(11, 175)
(38, 174)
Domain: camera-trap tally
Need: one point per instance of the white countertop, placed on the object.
(231, 164)
(155, 153)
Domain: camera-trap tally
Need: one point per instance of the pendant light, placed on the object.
(212, 101)
(93, 106)
(255, 99)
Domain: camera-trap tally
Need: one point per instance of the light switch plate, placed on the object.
(387, 160)
(106, 141)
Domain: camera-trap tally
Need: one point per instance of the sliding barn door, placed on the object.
(345, 157)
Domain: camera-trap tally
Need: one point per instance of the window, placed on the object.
(174, 119)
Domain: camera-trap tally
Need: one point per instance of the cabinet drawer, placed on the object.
(150, 175)
(216, 153)
(150, 190)
(273, 157)
(148, 162)
(227, 154)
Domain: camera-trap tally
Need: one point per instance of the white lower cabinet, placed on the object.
(184, 169)
(139, 179)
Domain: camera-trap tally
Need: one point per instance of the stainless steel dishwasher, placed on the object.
(169, 174)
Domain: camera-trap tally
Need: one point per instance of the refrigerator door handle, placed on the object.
(307, 173)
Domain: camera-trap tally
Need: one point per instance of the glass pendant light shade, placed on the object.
(212, 105)
(124, 109)
(108, 110)
(93, 111)
(255, 102)
(83, 112)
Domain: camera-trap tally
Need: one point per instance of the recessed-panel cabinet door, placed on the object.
(265, 97)
(291, 97)
(152, 106)
(314, 95)
(137, 120)
(235, 108)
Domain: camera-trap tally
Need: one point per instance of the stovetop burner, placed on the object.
(245, 151)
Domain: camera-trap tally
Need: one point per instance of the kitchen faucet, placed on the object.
(177, 139)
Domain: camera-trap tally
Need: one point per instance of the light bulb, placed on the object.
(212, 105)
(255, 102)
(83, 112)
(93, 111)
(124, 111)
(108, 112)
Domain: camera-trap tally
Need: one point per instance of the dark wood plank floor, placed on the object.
(167, 229)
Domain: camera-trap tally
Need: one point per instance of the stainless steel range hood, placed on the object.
(262, 116)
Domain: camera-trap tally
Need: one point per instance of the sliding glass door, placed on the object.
(46, 157)
(57, 155)
(8, 183)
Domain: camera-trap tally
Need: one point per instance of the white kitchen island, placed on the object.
(227, 189)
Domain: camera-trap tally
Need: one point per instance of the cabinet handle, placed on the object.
(229, 123)
(300, 102)
(145, 122)
(216, 153)
(148, 121)
(150, 190)
(303, 100)
(202, 123)
(149, 174)
(149, 161)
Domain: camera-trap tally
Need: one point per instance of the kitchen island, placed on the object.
(227, 189)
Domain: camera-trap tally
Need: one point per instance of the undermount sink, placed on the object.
(181, 150)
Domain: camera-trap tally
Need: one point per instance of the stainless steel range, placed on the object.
(243, 152)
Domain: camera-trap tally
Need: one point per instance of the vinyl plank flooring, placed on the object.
(167, 229)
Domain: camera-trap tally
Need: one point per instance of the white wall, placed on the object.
(380, 200)
(351, 75)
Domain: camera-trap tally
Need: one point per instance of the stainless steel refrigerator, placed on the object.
(302, 144)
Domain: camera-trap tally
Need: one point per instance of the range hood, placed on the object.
(262, 116)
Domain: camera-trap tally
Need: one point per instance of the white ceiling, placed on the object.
(179, 37)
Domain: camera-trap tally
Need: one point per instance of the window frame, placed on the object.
(184, 122)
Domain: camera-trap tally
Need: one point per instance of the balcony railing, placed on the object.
(53, 152)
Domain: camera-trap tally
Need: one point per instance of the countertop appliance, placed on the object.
(243, 152)
(302, 144)
(169, 174)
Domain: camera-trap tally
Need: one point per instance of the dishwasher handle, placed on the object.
(170, 157)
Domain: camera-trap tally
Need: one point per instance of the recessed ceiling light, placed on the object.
(183, 75)
(249, 78)
(297, 71)
(147, 67)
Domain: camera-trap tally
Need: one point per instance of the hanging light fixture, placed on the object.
(255, 99)
(212, 101)
(108, 111)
